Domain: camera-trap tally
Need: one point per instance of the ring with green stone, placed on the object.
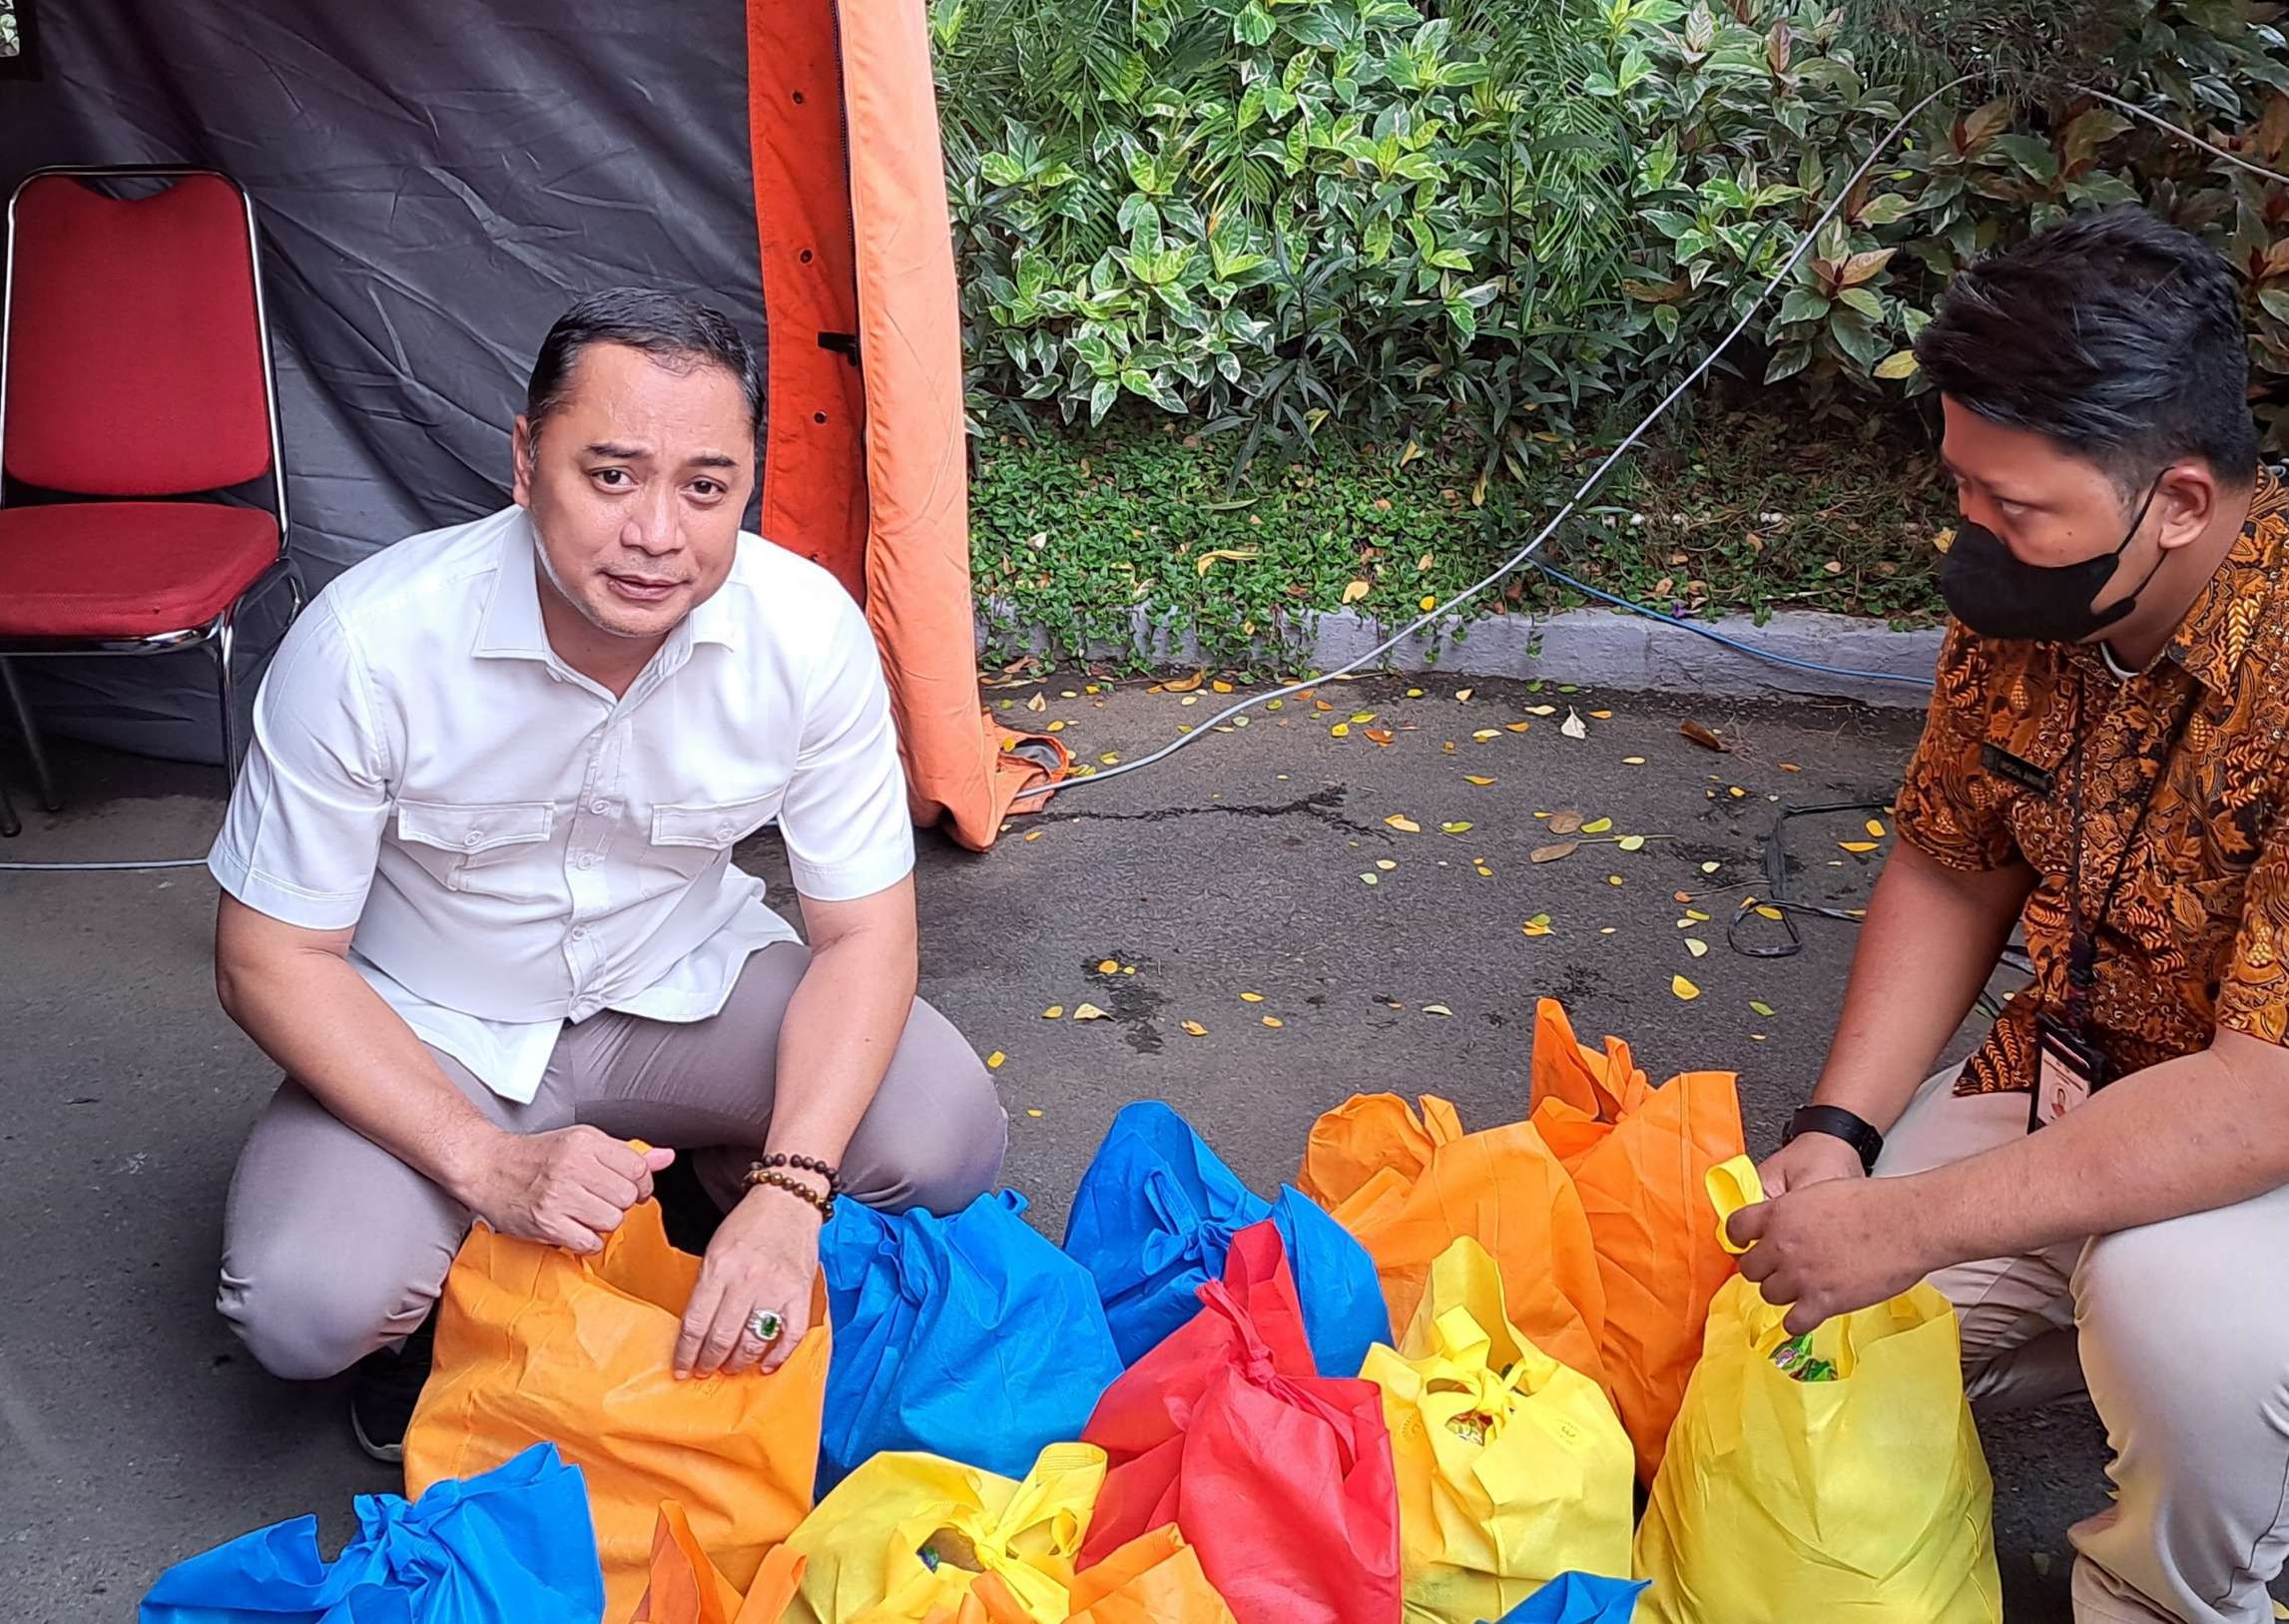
(764, 1326)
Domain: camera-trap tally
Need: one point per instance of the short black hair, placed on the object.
(2114, 335)
(671, 329)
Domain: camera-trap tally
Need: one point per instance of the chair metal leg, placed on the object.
(44, 779)
(225, 635)
(10, 825)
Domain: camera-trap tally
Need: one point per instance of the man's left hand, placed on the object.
(764, 1257)
(1833, 1247)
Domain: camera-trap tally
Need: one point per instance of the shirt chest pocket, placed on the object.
(690, 834)
(486, 851)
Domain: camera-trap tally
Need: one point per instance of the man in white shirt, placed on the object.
(479, 900)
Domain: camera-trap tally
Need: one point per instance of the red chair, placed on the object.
(135, 373)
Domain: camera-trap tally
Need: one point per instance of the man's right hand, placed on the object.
(1811, 1158)
(569, 1188)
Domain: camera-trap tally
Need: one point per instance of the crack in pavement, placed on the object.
(1322, 805)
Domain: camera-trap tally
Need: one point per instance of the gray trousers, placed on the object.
(2179, 1335)
(332, 1247)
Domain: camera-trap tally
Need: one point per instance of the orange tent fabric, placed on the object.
(1641, 1157)
(687, 1588)
(1408, 1185)
(865, 466)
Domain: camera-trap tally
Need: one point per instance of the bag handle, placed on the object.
(1732, 1184)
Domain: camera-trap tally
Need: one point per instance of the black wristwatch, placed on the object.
(1837, 1123)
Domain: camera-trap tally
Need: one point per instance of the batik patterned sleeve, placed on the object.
(1946, 807)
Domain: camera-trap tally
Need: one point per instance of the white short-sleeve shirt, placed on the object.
(519, 849)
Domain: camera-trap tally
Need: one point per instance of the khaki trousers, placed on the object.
(2179, 1334)
(332, 1247)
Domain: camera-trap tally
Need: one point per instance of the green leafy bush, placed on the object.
(1479, 228)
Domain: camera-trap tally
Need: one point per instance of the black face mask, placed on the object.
(1998, 594)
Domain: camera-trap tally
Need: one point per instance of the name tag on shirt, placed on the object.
(2069, 1070)
(2002, 764)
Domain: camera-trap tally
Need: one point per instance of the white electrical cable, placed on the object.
(99, 867)
(1597, 475)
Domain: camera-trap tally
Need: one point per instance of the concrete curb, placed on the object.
(1596, 647)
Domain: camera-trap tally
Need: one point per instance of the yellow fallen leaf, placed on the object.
(1696, 946)
(1436, 1009)
(1876, 829)
(1602, 716)
(1055, 727)
(1613, 879)
(1356, 590)
(1185, 685)
(1274, 1022)
(1684, 988)
(1037, 703)
(1341, 729)
(1696, 915)
(1386, 864)
(1517, 727)
(1110, 757)
(1414, 693)
(1486, 872)
(1236, 554)
(1597, 825)
(1769, 914)
(1472, 777)
(1632, 761)
(1371, 879)
(1541, 709)
(1760, 1007)
(1189, 698)
(1736, 792)
(1196, 1029)
(1404, 824)
(1710, 868)
(1539, 925)
(1250, 997)
(1128, 969)
(1462, 695)
(1055, 1012)
(1362, 715)
(1485, 734)
(1607, 931)
(1033, 834)
(1110, 966)
(1221, 687)
(995, 1060)
(1453, 828)
(1031, 1112)
(1087, 1012)
(1631, 843)
(1857, 848)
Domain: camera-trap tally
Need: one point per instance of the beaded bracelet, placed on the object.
(801, 1192)
(806, 1164)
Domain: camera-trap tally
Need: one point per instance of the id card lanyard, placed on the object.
(2070, 1065)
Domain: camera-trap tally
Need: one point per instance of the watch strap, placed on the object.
(1838, 1123)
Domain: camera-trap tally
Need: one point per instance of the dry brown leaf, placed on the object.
(1185, 685)
(1379, 736)
(1356, 590)
(1573, 727)
(1038, 702)
(1565, 822)
(1551, 853)
(1517, 727)
(1704, 737)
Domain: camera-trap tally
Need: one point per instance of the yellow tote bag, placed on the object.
(1512, 1468)
(911, 1538)
(1782, 1501)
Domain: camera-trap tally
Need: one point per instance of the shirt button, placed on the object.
(587, 859)
(723, 831)
(471, 838)
(580, 933)
(600, 805)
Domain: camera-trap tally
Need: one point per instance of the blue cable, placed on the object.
(1736, 644)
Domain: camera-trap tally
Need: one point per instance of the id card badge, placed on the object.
(2069, 1070)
